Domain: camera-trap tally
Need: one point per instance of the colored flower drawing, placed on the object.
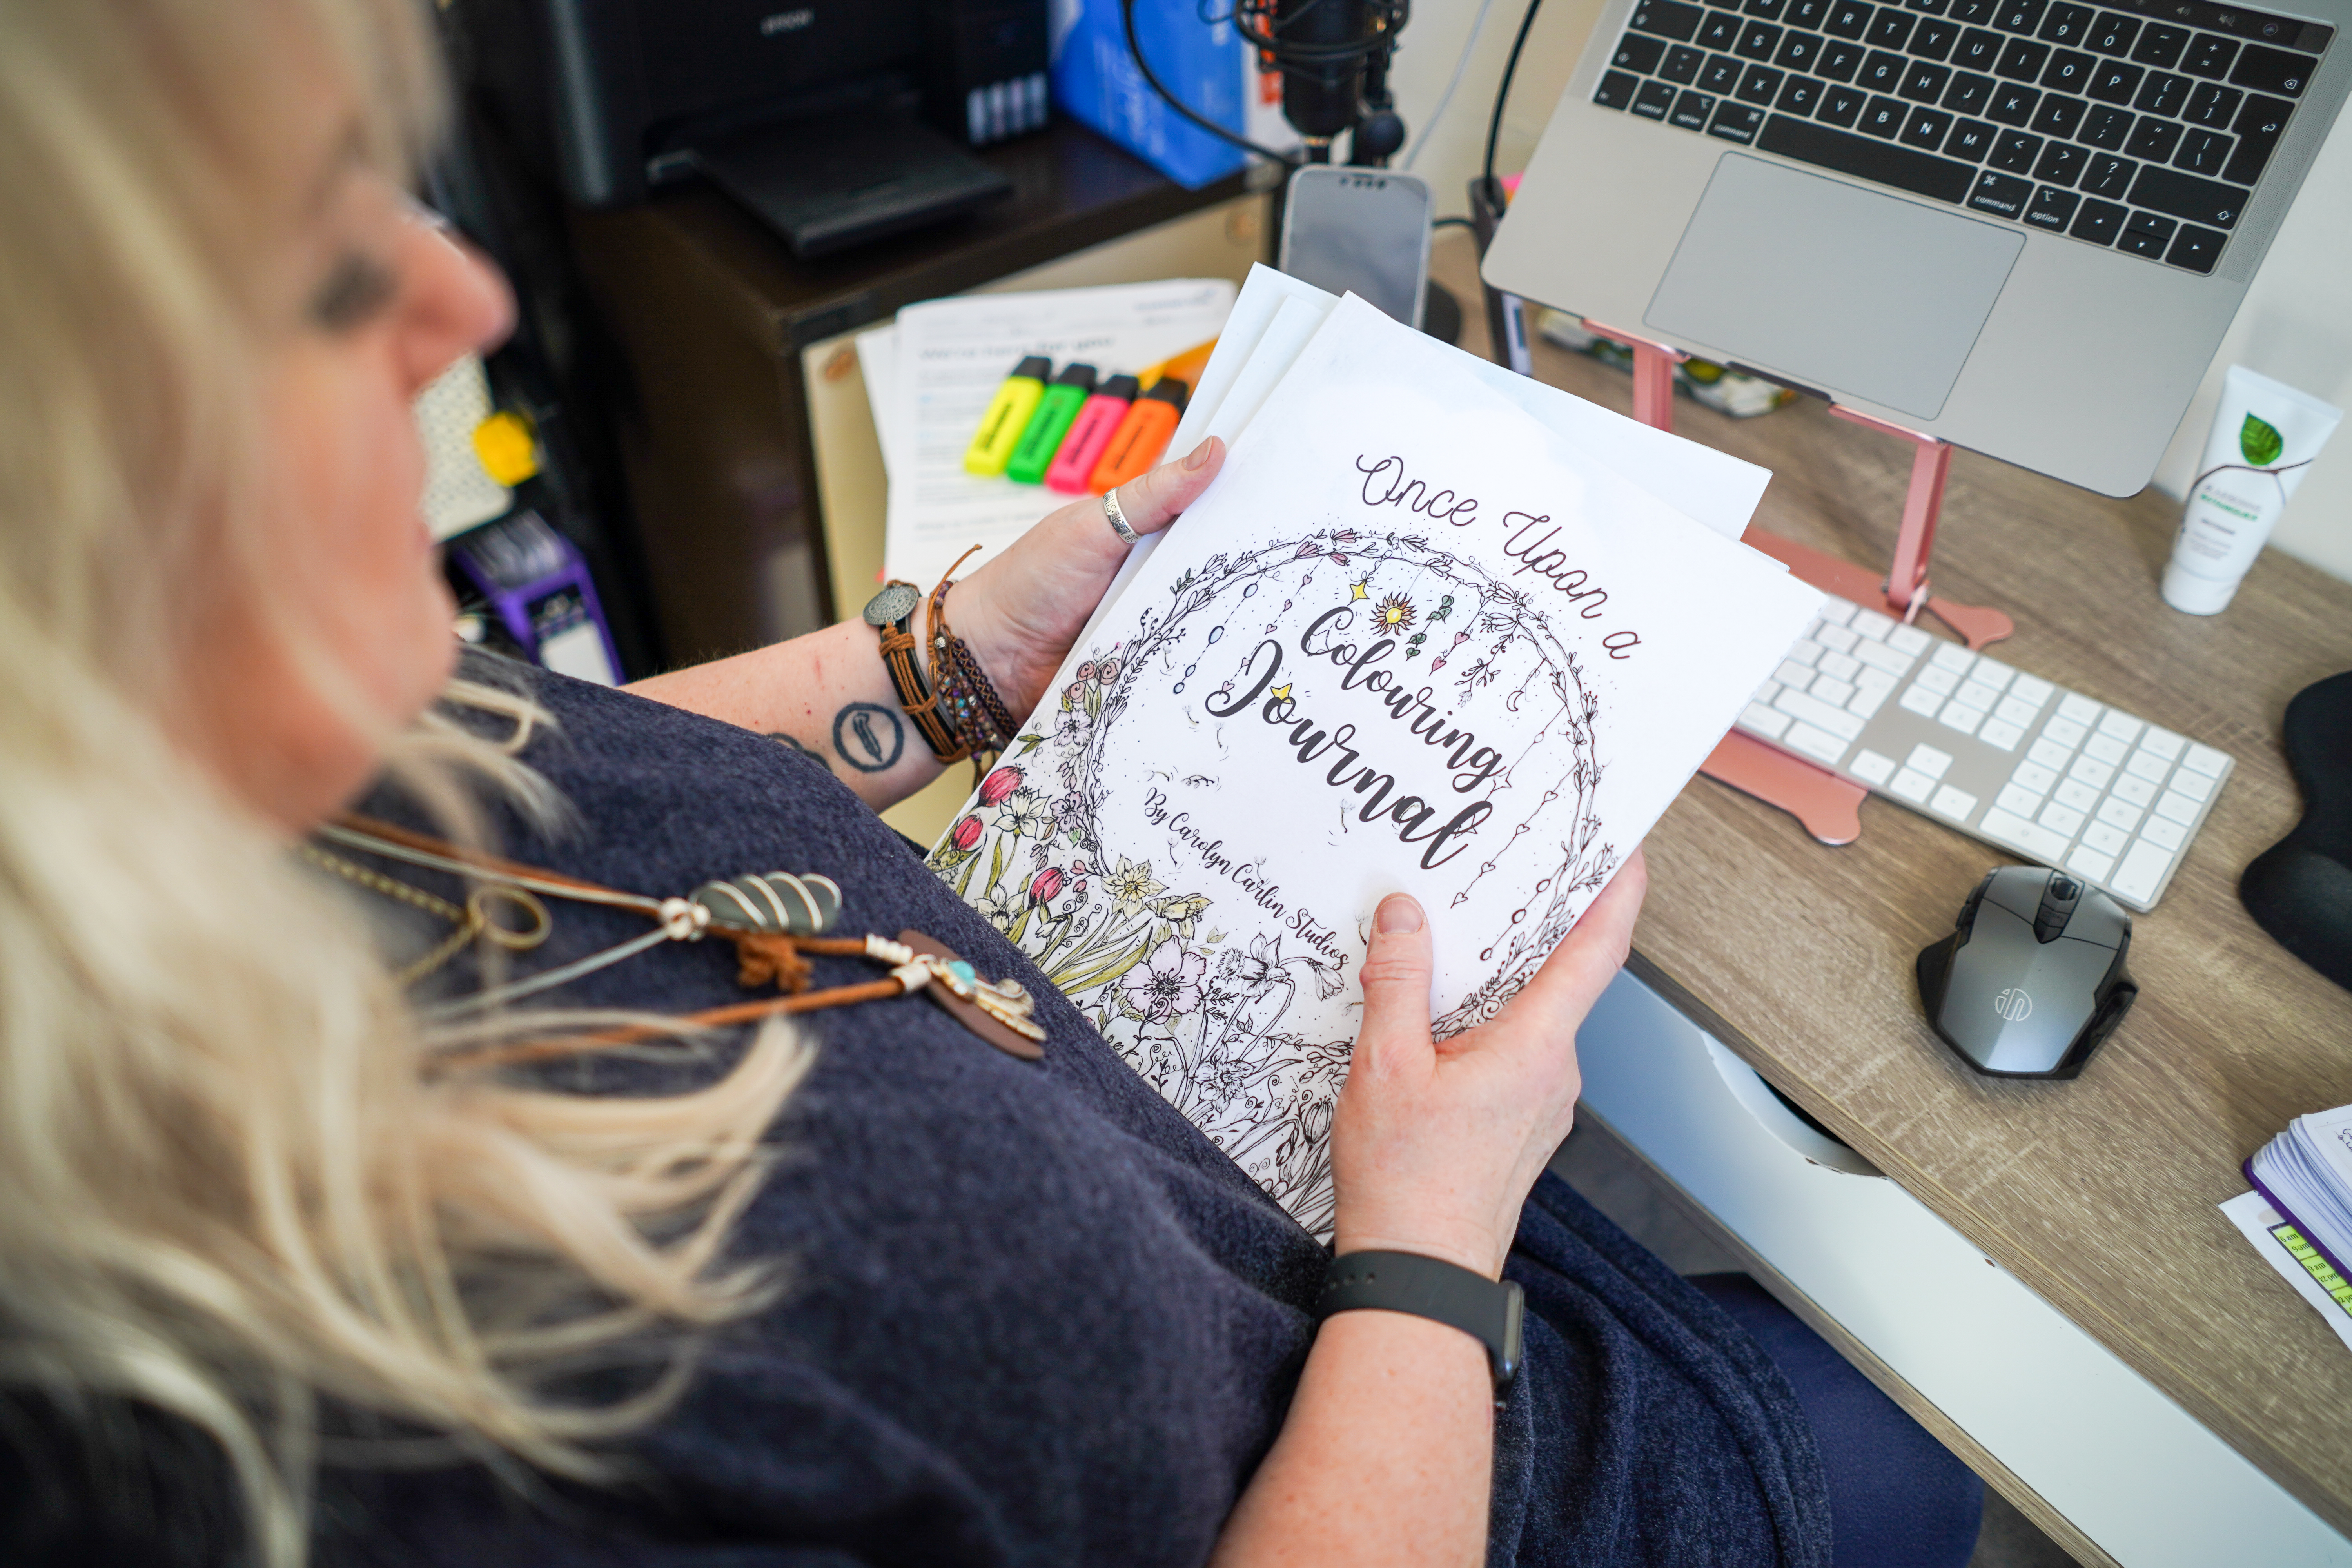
(1239, 1036)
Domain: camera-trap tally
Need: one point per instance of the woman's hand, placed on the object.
(828, 695)
(1385, 1460)
(1020, 613)
(1434, 1145)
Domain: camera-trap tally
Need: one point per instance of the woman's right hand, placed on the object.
(1435, 1144)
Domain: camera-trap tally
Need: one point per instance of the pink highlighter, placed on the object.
(1091, 432)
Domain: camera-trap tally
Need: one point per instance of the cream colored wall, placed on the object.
(2296, 323)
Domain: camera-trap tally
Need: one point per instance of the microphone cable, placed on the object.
(1151, 79)
(1502, 92)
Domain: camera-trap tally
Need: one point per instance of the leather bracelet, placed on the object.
(1490, 1311)
(966, 697)
(915, 697)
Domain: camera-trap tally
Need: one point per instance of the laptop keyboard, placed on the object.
(2044, 772)
(2142, 125)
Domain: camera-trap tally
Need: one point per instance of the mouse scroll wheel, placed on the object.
(2065, 889)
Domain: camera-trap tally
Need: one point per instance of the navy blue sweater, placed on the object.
(1032, 1315)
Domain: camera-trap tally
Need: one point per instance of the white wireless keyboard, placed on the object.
(2044, 772)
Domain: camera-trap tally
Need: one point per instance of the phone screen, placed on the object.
(1364, 231)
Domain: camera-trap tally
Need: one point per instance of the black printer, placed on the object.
(836, 121)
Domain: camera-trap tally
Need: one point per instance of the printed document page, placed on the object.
(952, 355)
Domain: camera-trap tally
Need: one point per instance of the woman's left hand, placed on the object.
(1020, 613)
(828, 695)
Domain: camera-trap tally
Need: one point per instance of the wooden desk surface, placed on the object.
(2099, 1194)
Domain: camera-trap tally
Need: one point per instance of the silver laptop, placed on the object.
(2022, 225)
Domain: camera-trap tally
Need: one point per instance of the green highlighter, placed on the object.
(1043, 438)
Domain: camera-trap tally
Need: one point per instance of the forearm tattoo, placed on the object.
(804, 748)
(868, 737)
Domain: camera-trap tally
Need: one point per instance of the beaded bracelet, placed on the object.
(965, 694)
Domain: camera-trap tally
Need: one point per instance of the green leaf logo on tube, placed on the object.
(2259, 441)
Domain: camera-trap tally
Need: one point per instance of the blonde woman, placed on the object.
(302, 1260)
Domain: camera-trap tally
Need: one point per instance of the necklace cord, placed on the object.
(764, 957)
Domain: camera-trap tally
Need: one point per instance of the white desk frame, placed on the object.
(2046, 1413)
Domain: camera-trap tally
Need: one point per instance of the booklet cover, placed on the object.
(1408, 640)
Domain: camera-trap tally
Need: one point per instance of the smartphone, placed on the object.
(1361, 230)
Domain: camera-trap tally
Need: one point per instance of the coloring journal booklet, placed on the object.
(1408, 640)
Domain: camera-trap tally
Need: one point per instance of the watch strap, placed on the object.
(1488, 1311)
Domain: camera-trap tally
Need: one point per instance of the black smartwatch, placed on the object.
(1488, 1311)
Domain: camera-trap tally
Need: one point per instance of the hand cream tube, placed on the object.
(2265, 435)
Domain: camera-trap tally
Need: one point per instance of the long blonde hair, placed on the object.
(229, 1187)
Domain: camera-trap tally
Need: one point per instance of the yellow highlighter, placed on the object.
(1008, 415)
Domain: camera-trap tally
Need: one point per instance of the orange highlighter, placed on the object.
(1090, 435)
(1141, 436)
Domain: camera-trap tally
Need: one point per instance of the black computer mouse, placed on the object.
(2300, 889)
(2032, 979)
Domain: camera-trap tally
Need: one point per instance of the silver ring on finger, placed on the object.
(1117, 519)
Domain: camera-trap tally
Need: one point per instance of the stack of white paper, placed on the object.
(931, 374)
(1434, 628)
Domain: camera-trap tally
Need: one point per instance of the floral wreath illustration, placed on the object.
(1202, 1020)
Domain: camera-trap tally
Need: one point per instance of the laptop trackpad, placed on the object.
(1836, 288)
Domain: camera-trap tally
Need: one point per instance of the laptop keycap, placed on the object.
(1888, 163)
(2059, 115)
(2112, 34)
(1978, 51)
(2012, 105)
(2052, 208)
(2259, 126)
(1737, 122)
(2067, 24)
(2107, 129)
(2206, 202)
(2162, 93)
(1692, 110)
(2195, 248)
(2003, 194)
(1800, 95)
(1968, 94)
(2273, 70)
(1655, 100)
(2061, 164)
(1925, 129)
(1839, 105)
(2155, 139)
(2022, 59)
(1799, 51)
(2208, 54)
(2013, 153)
(1881, 71)
(1666, 18)
(1971, 139)
(2109, 176)
(1639, 54)
(2099, 223)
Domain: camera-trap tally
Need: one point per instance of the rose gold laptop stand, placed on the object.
(1828, 805)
